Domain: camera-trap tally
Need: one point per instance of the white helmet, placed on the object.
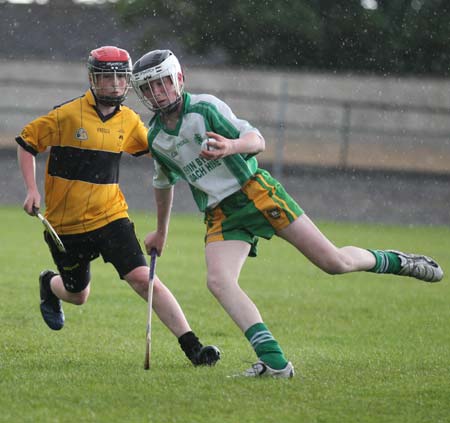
(152, 66)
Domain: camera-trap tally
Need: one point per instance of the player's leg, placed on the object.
(311, 242)
(76, 298)
(171, 315)
(52, 292)
(165, 304)
(119, 246)
(224, 260)
(70, 285)
(308, 239)
(280, 214)
(288, 221)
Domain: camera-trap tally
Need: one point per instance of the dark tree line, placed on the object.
(383, 36)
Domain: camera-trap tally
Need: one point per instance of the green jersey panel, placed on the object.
(177, 151)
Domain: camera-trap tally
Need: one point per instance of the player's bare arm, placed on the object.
(27, 164)
(250, 143)
(157, 239)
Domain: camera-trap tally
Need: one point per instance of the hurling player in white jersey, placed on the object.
(199, 139)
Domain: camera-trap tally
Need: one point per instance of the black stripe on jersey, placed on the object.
(76, 164)
(25, 146)
(140, 153)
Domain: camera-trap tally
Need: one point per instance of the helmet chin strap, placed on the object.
(107, 102)
(111, 103)
(172, 107)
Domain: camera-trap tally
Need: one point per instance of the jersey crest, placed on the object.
(81, 134)
(274, 213)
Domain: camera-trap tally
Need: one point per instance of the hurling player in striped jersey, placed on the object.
(86, 137)
(197, 137)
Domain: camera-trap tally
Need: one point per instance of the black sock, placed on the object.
(191, 345)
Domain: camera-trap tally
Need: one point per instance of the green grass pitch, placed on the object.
(366, 348)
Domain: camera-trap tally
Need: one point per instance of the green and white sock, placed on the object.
(386, 262)
(266, 347)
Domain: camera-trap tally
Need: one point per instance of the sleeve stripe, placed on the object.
(26, 146)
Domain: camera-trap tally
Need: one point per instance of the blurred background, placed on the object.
(353, 97)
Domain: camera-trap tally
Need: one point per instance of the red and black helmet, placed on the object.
(109, 60)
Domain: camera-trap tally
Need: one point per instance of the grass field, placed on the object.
(367, 348)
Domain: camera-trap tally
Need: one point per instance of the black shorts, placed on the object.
(116, 243)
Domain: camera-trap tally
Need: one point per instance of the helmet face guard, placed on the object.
(109, 71)
(157, 65)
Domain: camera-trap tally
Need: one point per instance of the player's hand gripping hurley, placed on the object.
(148, 349)
(50, 230)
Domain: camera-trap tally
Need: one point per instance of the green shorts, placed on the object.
(259, 209)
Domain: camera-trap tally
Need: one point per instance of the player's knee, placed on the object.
(336, 265)
(211, 283)
(215, 284)
(79, 298)
(332, 270)
(158, 286)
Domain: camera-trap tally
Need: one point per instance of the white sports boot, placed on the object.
(261, 369)
(419, 267)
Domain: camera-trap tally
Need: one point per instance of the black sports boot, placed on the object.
(51, 308)
(199, 355)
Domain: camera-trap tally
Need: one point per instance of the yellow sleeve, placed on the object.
(137, 143)
(40, 133)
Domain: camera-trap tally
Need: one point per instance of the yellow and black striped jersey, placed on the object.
(82, 173)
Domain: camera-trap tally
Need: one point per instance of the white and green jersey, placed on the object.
(176, 152)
